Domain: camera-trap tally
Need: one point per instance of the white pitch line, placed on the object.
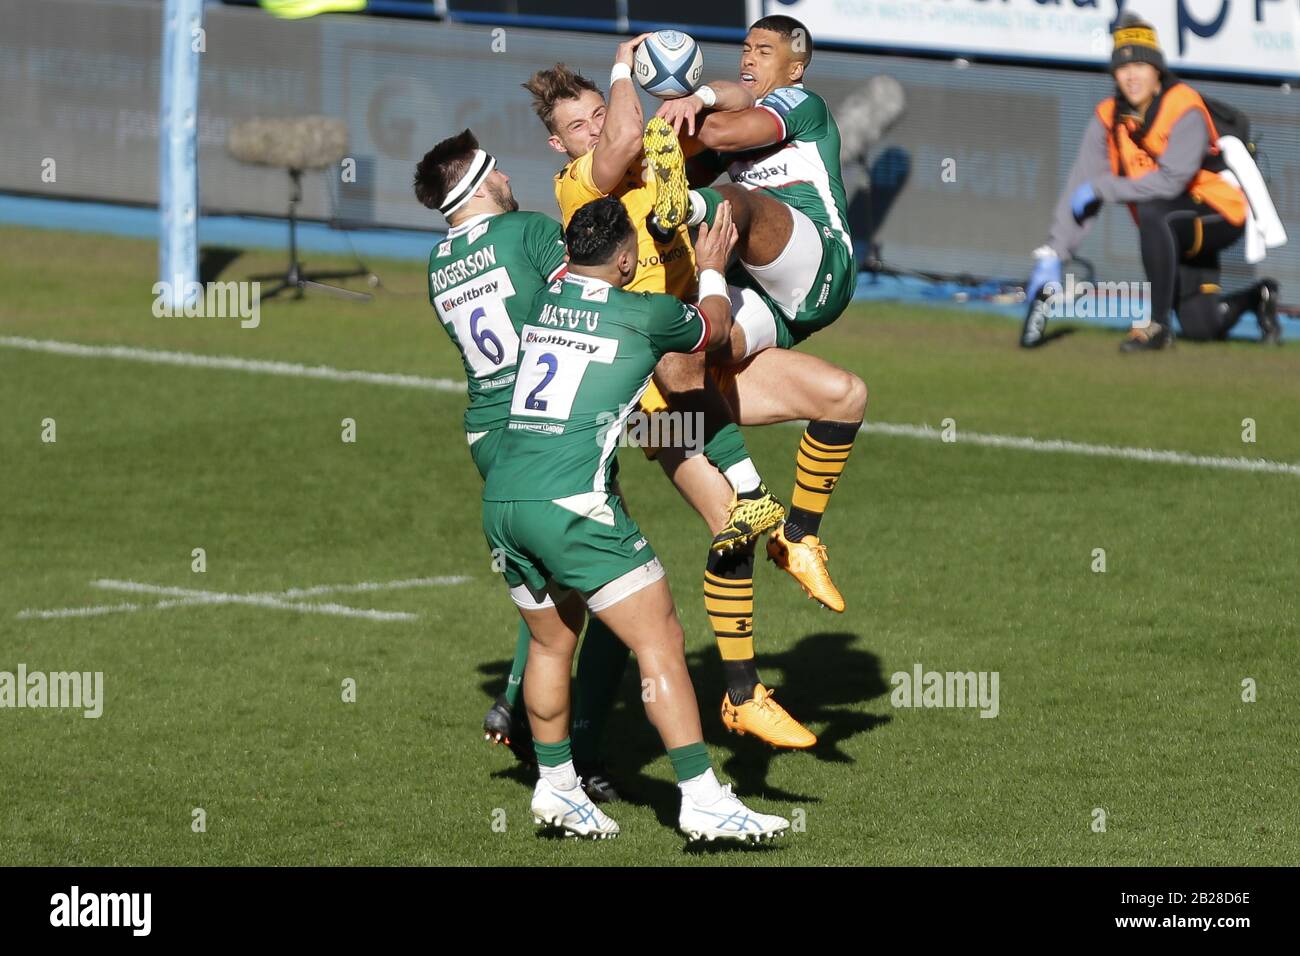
(255, 600)
(372, 586)
(194, 360)
(101, 609)
(1016, 442)
(1084, 448)
(31, 614)
(114, 584)
(190, 597)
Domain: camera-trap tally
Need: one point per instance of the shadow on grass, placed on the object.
(718, 847)
(214, 260)
(823, 680)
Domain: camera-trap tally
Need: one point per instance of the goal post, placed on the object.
(178, 145)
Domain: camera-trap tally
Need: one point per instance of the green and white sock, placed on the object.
(698, 209)
(703, 204)
(555, 764)
(516, 679)
(693, 769)
(743, 477)
(703, 789)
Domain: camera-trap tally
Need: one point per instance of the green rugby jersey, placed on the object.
(586, 355)
(482, 279)
(802, 168)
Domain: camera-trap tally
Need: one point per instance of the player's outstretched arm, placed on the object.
(620, 137)
(731, 96)
(738, 131)
(712, 248)
(725, 95)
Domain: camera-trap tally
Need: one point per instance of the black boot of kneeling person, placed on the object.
(1148, 338)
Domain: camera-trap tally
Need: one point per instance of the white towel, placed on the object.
(1264, 229)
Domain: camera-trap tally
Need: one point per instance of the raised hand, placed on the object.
(680, 112)
(713, 246)
(627, 51)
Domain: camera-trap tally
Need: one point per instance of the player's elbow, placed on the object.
(719, 334)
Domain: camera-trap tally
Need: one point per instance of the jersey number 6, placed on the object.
(484, 338)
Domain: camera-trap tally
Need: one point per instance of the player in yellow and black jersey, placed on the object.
(604, 145)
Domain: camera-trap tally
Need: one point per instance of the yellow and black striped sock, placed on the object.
(823, 452)
(729, 600)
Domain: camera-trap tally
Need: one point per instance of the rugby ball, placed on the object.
(669, 64)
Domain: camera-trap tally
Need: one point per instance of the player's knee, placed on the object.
(678, 373)
(659, 645)
(545, 708)
(847, 396)
(858, 398)
(669, 636)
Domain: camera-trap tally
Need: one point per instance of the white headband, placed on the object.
(458, 195)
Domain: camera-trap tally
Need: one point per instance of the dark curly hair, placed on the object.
(596, 232)
(442, 167)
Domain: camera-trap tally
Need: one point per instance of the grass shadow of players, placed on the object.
(495, 674)
(823, 677)
(214, 260)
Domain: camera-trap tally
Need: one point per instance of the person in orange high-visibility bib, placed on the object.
(1153, 145)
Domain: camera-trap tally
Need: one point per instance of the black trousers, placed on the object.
(1181, 240)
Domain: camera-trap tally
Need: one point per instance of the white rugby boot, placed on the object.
(727, 819)
(572, 811)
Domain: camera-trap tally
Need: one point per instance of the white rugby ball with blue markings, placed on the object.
(669, 64)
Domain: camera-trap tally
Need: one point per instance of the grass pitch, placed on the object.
(1119, 690)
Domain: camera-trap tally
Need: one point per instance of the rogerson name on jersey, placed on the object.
(462, 269)
(562, 317)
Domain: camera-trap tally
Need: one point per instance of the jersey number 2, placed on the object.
(550, 372)
(532, 402)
